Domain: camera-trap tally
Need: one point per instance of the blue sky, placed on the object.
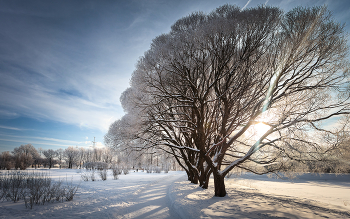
(64, 63)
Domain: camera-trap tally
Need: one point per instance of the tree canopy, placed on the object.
(249, 89)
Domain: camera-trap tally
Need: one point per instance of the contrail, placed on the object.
(246, 5)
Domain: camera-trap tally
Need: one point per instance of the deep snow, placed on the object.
(143, 195)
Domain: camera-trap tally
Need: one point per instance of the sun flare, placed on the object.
(257, 130)
(261, 129)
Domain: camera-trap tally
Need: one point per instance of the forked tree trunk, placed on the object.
(219, 185)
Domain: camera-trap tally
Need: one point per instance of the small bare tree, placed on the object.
(6, 160)
(50, 155)
(60, 156)
(71, 154)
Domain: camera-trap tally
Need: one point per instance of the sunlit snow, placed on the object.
(170, 195)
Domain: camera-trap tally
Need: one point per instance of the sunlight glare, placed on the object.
(257, 130)
(261, 129)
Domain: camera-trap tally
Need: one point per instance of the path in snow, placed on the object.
(152, 201)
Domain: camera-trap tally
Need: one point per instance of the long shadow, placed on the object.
(326, 178)
(250, 204)
(151, 203)
(290, 201)
(86, 205)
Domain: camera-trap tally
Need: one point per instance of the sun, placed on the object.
(256, 131)
(263, 123)
(261, 129)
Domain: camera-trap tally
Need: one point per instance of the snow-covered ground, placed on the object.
(143, 195)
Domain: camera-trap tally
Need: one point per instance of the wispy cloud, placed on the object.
(5, 114)
(58, 140)
(9, 128)
(95, 98)
(39, 140)
(35, 142)
(66, 73)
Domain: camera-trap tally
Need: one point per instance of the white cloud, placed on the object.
(99, 145)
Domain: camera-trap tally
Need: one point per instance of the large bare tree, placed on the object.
(248, 89)
(25, 155)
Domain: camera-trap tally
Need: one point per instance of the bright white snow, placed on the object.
(143, 195)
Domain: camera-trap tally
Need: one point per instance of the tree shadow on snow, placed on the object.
(246, 203)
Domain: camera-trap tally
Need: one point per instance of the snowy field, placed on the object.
(161, 195)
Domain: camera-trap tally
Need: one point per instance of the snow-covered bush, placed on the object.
(69, 191)
(149, 169)
(92, 175)
(125, 170)
(103, 174)
(157, 170)
(34, 188)
(88, 175)
(166, 169)
(96, 165)
(12, 186)
(85, 176)
(116, 171)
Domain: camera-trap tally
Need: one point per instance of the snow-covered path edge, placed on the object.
(177, 208)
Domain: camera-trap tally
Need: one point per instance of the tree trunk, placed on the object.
(204, 180)
(188, 175)
(219, 185)
(193, 177)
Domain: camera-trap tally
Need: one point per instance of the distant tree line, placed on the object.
(28, 156)
(78, 157)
